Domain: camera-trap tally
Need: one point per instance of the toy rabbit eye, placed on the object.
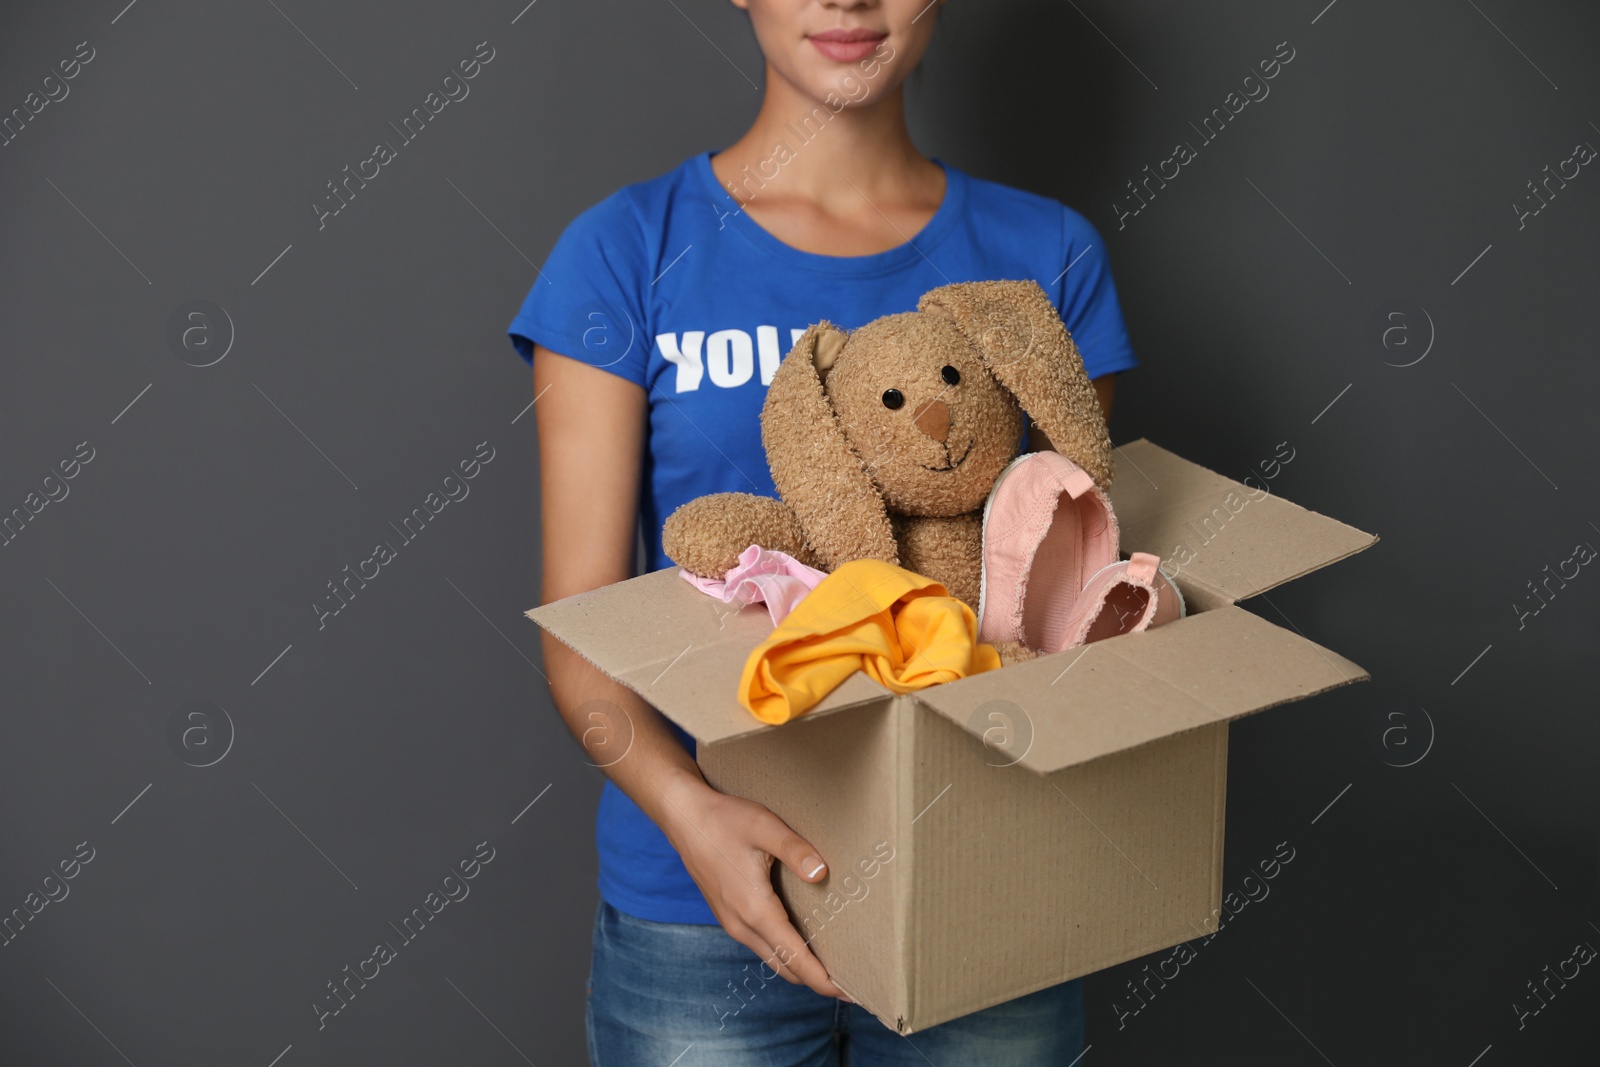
(950, 375)
(893, 399)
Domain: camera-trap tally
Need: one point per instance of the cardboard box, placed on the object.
(999, 834)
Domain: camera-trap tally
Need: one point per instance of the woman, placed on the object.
(653, 330)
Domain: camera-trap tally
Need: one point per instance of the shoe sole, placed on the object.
(983, 537)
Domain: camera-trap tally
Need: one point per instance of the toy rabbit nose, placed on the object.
(933, 419)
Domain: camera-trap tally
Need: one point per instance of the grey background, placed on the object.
(378, 751)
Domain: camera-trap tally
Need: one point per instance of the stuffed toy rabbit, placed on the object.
(884, 442)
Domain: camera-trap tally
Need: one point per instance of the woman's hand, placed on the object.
(728, 846)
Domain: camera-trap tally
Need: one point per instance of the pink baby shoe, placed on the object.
(1047, 530)
(1125, 597)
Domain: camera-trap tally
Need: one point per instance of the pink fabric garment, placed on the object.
(774, 578)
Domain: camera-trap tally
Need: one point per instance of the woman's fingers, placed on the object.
(790, 849)
(789, 949)
(755, 942)
(774, 958)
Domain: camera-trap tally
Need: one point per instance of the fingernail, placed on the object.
(813, 866)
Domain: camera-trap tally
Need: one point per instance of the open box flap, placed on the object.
(679, 649)
(1074, 706)
(684, 651)
(1217, 533)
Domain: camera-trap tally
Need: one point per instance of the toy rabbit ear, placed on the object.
(818, 474)
(1020, 336)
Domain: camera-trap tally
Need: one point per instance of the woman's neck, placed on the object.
(845, 182)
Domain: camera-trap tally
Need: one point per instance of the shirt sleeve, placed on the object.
(1088, 299)
(587, 301)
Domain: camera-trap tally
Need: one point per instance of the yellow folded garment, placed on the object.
(902, 630)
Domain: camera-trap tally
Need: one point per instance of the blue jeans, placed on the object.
(686, 995)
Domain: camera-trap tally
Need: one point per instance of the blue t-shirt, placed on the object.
(669, 284)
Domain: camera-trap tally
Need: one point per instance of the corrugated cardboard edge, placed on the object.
(590, 660)
(905, 712)
(1219, 822)
(1374, 539)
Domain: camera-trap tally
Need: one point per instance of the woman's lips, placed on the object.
(846, 46)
